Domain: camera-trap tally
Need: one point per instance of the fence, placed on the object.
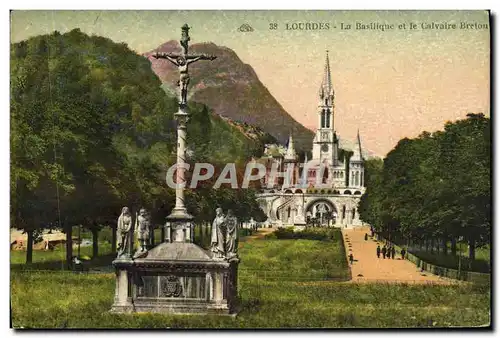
(469, 276)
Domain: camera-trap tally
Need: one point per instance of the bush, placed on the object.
(319, 234)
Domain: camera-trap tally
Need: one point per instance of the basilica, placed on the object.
(324, 190)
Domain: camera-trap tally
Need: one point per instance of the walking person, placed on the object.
(384, 251)
(393, 252)
(378, 251)
(366, 237)
(351, 258)
(403, 253)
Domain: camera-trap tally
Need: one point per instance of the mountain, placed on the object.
(218, 139)
(233, 90)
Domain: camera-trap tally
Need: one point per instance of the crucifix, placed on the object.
(182, 61)
(179, 220)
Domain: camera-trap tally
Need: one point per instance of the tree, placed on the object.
(436, 186)
(77, 102)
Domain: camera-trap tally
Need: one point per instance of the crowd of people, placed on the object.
(389, 252)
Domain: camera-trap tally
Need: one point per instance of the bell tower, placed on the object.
(325, 143)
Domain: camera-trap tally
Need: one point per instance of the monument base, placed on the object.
(176, 278)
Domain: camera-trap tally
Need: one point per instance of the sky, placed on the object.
(388, 84)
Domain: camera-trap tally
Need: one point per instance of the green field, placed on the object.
(270, 297)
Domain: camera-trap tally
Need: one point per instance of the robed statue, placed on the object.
(123, 231)
(218, 234)
(142, 229)
(231, 234)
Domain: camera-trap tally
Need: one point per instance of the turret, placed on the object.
(290, 155)
(356, 165)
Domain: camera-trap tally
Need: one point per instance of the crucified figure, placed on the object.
(182, 62)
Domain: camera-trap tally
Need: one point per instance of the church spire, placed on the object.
(290, 151)
(358, 154)
(326, 89)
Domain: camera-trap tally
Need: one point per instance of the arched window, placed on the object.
(356, 178)
(347, 192)
(288, 212)
(357, 192)
(328, 118)
(323, 118)
(288, 191)
(298, 191)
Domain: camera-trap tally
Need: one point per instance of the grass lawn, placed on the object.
(67, 300)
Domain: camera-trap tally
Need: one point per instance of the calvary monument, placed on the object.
(177, 276)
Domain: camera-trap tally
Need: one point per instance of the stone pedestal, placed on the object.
(123, 300)
(177, 278)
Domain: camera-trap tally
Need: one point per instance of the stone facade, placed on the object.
(325, 189)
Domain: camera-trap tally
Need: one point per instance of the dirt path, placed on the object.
(368, 268)
(261, 232)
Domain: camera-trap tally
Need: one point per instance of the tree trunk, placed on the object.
(29, 247)
(95, 242)
(438, 246)
(113, 239)
(201, 235)
(426, 245)
(432, 246)
(445, 246)
(152, 239)
(453, 246)
(472, 249)
(69, 246)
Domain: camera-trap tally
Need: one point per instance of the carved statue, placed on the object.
(142, 229)
(182, 62)
(218, 234)
(231, 234)
(123, 231)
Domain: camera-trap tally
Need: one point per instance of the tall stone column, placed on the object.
(182, 117)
